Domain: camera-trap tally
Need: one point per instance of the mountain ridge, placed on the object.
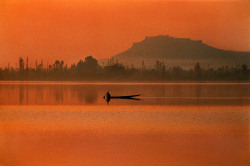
(179, 51)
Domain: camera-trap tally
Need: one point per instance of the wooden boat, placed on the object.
(107, 97)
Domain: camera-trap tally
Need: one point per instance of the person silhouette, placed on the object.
(107, 97)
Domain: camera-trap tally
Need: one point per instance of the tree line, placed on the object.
(90, 70)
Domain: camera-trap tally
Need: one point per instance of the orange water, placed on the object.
(170, 125)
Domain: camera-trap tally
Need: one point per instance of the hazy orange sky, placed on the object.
(73, 29)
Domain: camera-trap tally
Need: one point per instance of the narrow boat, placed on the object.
(107, 97)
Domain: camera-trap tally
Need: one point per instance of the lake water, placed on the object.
(69, 123)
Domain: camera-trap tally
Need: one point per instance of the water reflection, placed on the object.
(152, 94)
(58, 93)
(198, 91)
(90, 95)
(21, 94)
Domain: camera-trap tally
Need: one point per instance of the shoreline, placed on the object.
(118, 82)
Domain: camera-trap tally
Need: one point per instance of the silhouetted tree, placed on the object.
(27, 63)
(143, 65)
(89, 69)
(21, 64)
(197, 70)
(91, 63)
(244, 67)
(73, 66)
(61, 65)
(80, 66)
(57, 65)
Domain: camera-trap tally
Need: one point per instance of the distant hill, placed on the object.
(179, 52)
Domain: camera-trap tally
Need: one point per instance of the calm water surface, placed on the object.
(65, 123)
